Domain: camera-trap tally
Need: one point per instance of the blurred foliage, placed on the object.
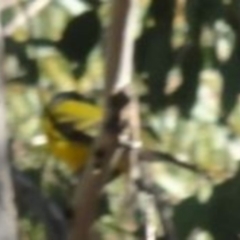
(31, 230)
(187, 59)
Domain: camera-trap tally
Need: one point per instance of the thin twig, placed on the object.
(158, 156)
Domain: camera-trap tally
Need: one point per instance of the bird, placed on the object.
(71, 123)
(68, 121)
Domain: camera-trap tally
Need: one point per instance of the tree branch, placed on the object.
(118, 75)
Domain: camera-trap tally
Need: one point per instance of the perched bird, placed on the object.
(71, 122)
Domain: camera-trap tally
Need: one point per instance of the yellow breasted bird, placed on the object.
(71, 122)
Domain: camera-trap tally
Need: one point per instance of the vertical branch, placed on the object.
(119, 45)
(8, 225)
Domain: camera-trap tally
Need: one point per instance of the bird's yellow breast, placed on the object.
(73, 154)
